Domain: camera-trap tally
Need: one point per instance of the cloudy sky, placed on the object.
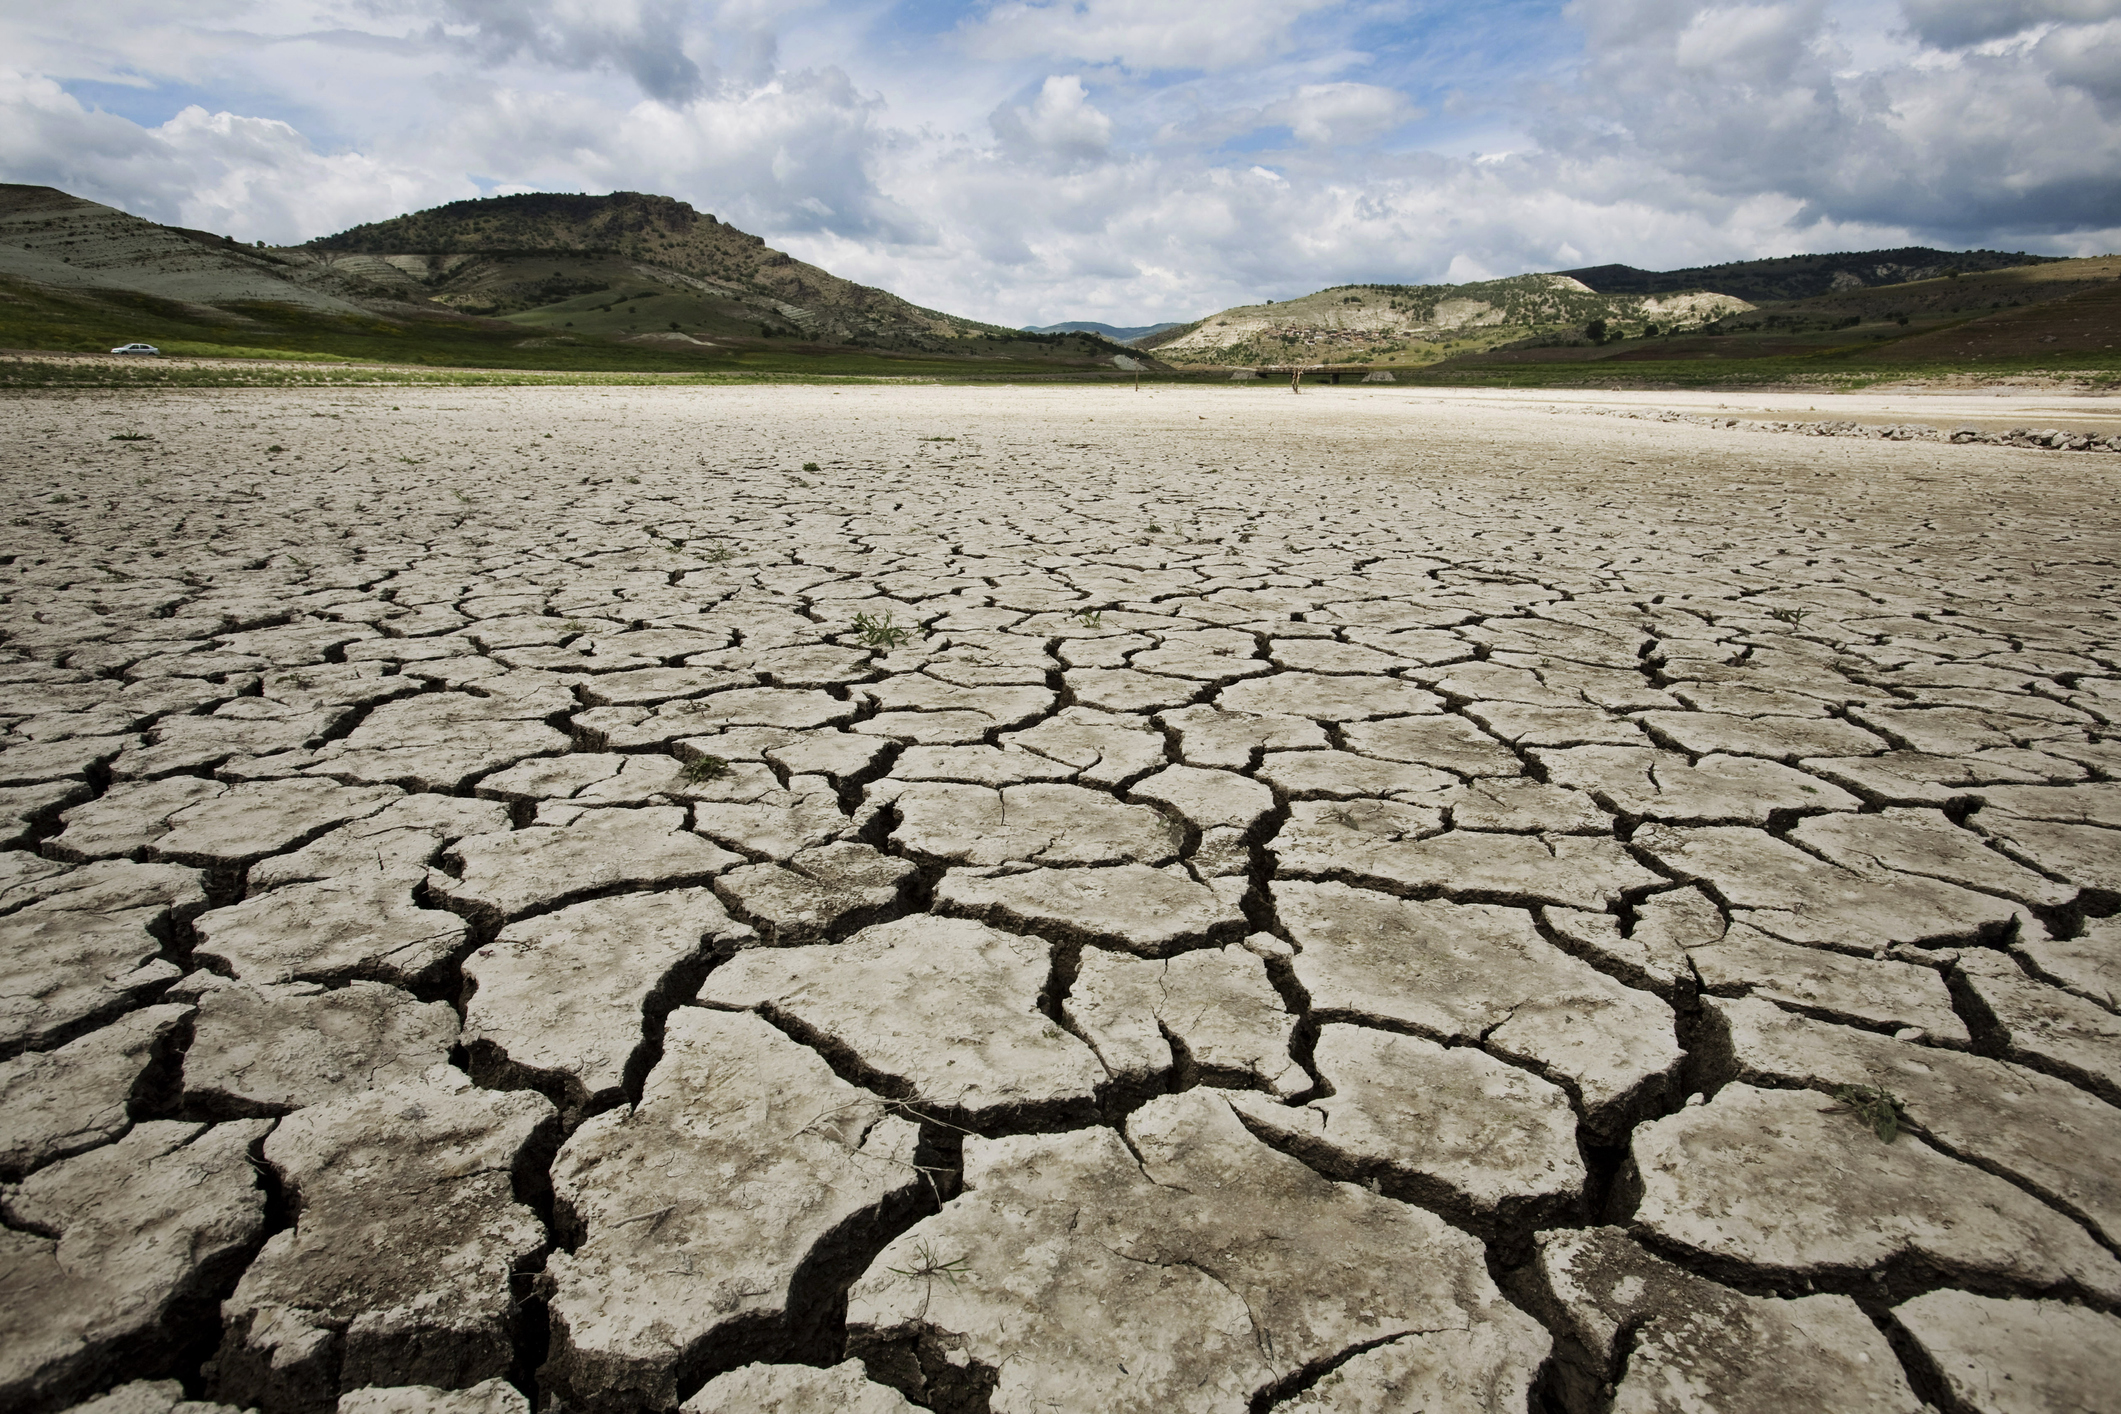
(1030, 161)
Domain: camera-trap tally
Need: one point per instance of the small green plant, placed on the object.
(302, 681)
(938, 439)
(701, 769)
(1155, 529)
(467, 500)
(719, 555)
(59, 500)
(810, 466)
(880, 632)
(1091, 618)
(633, 481)
(275, 447)
(1876, 1106)
(575, 626)
(1792, 617)
(130, 437)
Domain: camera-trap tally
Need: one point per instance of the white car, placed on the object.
(137, 349)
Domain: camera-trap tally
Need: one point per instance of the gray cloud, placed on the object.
(1959, 24)
(643, 39)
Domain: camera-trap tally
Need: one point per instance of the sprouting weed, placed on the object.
(1876, 1106)
(810, 466)
(130, 437)
(880, 632)
(927, 1268)
(633, 481)
(701, 769)
(1792, 617)
(59, 500)
(720, 555)
(1091, 618)
(467, 500)
(575, 626)
(1155, 529)
(302, 681)
(275, 447)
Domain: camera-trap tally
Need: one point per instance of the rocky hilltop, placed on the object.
(1423, 323)
(510, 254)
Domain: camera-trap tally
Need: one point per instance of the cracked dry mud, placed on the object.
(1312, 904)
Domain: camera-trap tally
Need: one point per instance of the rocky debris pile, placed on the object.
(2048, 437)
(2043, 439)
(1060, 927)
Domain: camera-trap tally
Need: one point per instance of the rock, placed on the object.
(796, 1389)
(1478, 974)
(1207, 800)
(65, 970)
(247, 822)
(441, 741)
(1216, 1003)
(406, 1234)
(1328, 699)
(1195, 1278)
(504, 876)
(399, 841)
(1738, 1181)
(1576, 871)
(1643, 784)
(57, 1103)
(1674, 1341)
(24, 809)
(138, 1236)
(1106, 749)
(1872, 992)
(1450, 1128)
(149, 1397)
(264, 1049)
(1232, 741)
(1527, 726)
(1517, 805)
(1342, 775)
(1049, 824)
(1446, 743)
(2089, 964)
(495, 1396)
(565, 1002)
(1898, 842)
(1474, 1371)
(940, 1012)
(2045, 1134)
(820, 894)
(351, 927)
(2085, 855)
(1801, 899)
(778, 824)
(2017, 1357)
(1151, 912)
(1788, 739)
(978, 765)
(553, 777)
(1124, 690)
(127, 818)
(2044, 1026)
(700, 1210)
(1915, 777)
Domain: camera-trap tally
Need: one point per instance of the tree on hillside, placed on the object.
(1595, 331)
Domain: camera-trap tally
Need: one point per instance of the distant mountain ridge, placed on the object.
(1792, 277)
(1115, 333)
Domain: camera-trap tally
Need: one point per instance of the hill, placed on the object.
(1417, 324)
(1115, 333)
(1795, 277)
(621, 281)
